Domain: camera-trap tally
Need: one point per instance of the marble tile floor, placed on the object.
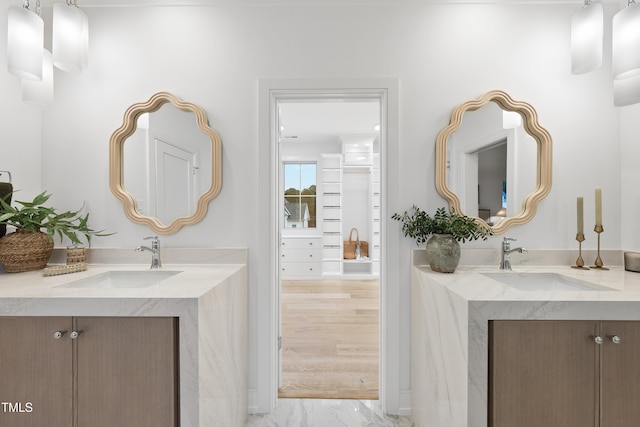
(327, 413)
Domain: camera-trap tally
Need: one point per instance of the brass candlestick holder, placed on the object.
(598, 263)
(580, 262)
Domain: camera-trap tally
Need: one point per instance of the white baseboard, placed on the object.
(405, 403)
(253, 401)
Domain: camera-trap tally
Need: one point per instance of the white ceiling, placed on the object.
(135, 3)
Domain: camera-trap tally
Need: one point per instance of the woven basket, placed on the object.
(25, 251)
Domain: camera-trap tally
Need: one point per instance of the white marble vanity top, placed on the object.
(209, 300)
(192, 281)
(450, 316)
(471, 283)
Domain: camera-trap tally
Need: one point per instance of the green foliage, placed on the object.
(420, 226)
(34, 216)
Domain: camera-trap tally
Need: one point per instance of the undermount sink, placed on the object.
(122, 279)
(542, 282)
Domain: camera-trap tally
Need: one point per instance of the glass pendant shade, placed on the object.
(25, 41)
(587, 38)
(40, 93)
(70, 38)
(626, 42)
(626, 91)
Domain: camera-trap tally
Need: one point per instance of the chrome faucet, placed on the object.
(155, 251)
(505, 264)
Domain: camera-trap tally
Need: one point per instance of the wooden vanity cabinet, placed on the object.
(119, 371)
(620, 374)
(36, 372)
(564, 373)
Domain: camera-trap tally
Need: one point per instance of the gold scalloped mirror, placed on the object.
(165, 163)
(493, 161)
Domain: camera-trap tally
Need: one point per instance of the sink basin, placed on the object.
(542, 282)
(122, 279)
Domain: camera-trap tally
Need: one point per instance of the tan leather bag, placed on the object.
(351, 245)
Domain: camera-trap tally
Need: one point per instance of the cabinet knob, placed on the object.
(58, 334)
(74, 334)
(615, 339)
(598, 340)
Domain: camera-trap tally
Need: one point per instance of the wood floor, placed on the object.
(330, 339)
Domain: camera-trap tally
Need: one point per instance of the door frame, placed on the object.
(265, 396)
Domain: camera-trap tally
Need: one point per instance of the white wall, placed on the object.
(20, 130)
(630, 178)
(442, 55)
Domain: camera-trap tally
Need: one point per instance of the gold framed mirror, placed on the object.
(165, 163)
(495, 165)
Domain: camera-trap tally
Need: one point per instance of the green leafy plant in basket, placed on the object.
(31, 245)
(443, 232)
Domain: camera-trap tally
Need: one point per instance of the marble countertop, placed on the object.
(210, 301)
(450, 318)
(470, 283)
(193, 281)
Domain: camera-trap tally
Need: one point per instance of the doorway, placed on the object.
(329, 185)
(263, 394)
(329, 192)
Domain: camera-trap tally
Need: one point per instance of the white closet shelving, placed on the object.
(331, 214)
(350, 198)
(356, 184)
(374, 249)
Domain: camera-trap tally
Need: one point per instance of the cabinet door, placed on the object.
(35, 372)
(543, 373)
(620, 384)
(127, 371)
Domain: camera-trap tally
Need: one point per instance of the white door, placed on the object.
(176, 170)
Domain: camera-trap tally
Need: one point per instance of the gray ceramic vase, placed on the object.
(443, 253)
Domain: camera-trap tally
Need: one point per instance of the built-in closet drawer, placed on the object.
(331, 199)
(332, 253)
(334, 213)
(334, 226)
(301, 242)
(332, 239)
(298, 269)
(332, 187)
(301, 257)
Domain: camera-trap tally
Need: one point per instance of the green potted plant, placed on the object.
(30, 246)
(443, 233)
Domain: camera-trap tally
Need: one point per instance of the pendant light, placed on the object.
(587, 38)
(40, 93)
(70, 39)
(25, 42)
(626, 42)
(626, 91)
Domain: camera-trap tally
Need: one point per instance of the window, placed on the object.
(300, 195)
